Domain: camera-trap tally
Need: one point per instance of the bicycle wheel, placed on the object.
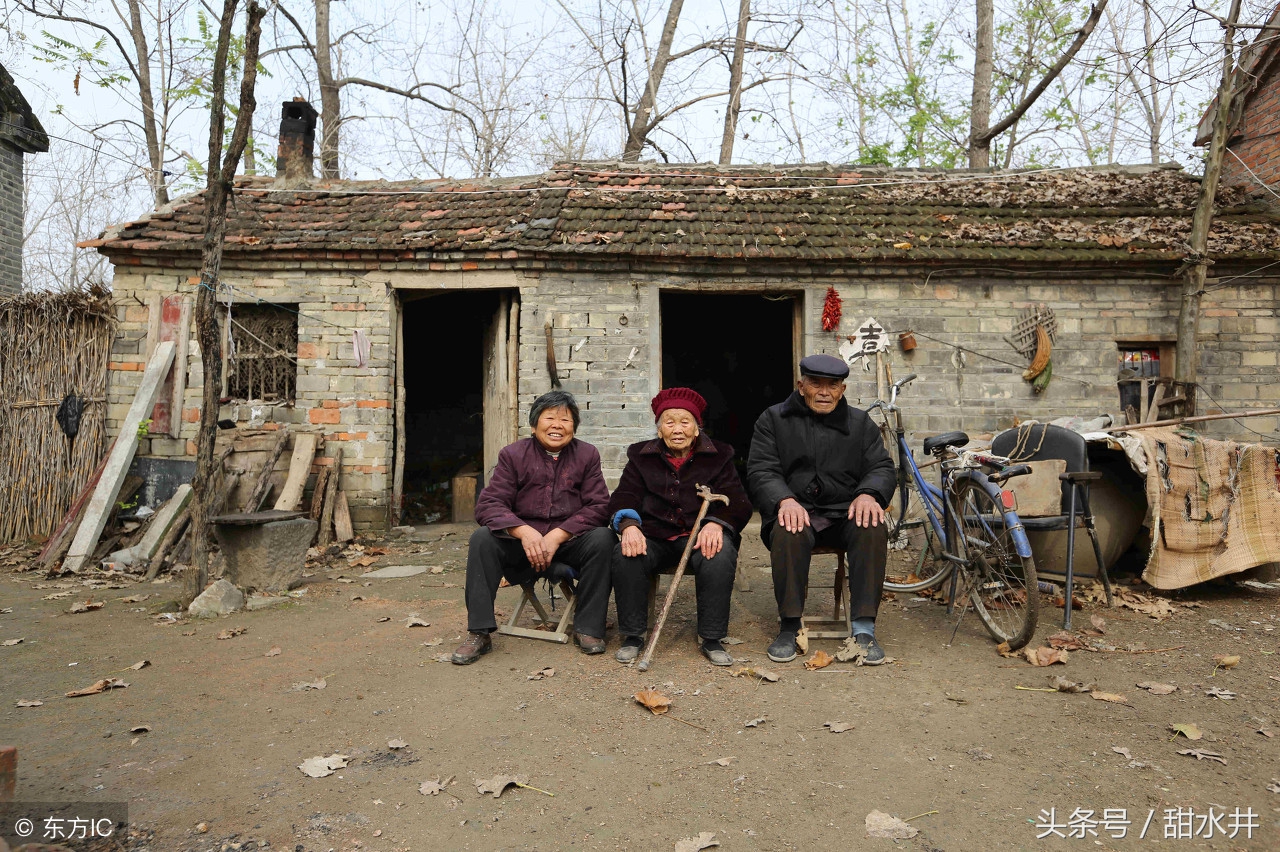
(914, 549)
(1003, 585)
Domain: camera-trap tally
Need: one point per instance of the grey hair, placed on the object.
(554, 399)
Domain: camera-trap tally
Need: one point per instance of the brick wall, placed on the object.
(614, 372)
(10, 220)
(1259, 144)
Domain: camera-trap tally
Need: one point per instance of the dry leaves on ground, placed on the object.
(851, 652)
(437, 569)
(819, 660)
(140, 729)
(541, 674)
(396, 744)
(1044, 656)
(1274, 786)
(1122, 751)
(1219, 692)
(305, 685)
(1099, 623)
(1156, 688)
(98, 686)
(274, 652)
(749, 671)
(654, 700)
(1187, 729)
(232, 632)
(442, 658)
(1110, 697)
(881, 824)
(435, 786)
(704, 840)
(1202, 754)
(1062, 684)
(498, 783)
(320, 767)
(802, 640)
(415, 621)
(838, 727)
(86, 606)
(24, 702)
(134, 598)
(1064, 641)
(723, 761)
(10, 642)
(1226, 661)
(1156, 607)
(140, 665)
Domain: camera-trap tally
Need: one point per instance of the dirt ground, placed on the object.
(943, 737)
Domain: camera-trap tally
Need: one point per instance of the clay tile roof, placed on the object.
(819, 213)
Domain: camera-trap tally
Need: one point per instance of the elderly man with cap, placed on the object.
(820, 475)
(544, 505)
(653, 509)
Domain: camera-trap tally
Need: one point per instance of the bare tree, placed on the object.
(735, 83)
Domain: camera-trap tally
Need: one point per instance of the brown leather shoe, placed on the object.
(468, 652)
(589, 644)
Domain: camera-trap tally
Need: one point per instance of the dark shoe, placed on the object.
(477, 645)
(783, 649)
(590, 645)
(630, 649)
(715, 652)
(873, 653)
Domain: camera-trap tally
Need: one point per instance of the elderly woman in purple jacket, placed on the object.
(545, 503)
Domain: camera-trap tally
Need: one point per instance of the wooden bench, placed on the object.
(560, 629)
(839, 625)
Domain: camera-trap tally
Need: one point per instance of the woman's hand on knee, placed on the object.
(633, 542)
(710, 540)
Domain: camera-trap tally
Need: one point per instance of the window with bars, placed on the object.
(260, 346)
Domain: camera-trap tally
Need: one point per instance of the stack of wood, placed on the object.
(252, 467)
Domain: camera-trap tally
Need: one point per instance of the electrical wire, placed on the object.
(966, 349)
(1235, 420)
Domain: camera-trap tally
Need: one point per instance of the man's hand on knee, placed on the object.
(710, 540)
(865, 511)
(792, 516)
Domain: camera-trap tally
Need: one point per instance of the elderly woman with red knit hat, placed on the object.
(653, 509)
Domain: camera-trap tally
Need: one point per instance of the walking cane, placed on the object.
(707, 499)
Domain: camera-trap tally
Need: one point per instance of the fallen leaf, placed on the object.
(320, 767)
(1274, 786)
(1003, 650)
(1044, 656)
(1064, 641)
(1156, 688)
(134, 598)
(1124, 752)
(753, 723)
(498, 783)
(140, 665)
(704, 840)
(1219, 692)
(140, 729)
(86, 606)
(1226, 661)
(802, 640)
(1061, 684)
(1266, 733)
(880, 824)
(654, 700)
(1157, 608)
(1099, 623)
(1187, 729)
(838, 727)
(274, 652)
(748, 671)
(55, 595)
(435, 786)
(1109, 696)
(23, 702)
(431, 643)
(99, 686)
(414, 621)
(819, 660)
(231, 632)
(10, 642)
(541, 674)
(1201, 754)
(850, 652)
(724, 761)
(443, 658)
(384, 618)
(437, 569)
(305, 685)
(396, 744)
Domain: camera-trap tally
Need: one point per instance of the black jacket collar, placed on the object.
(795, 406)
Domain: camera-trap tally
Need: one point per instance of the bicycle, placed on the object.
(967, 525)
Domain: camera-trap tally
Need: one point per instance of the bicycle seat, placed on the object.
(946, 439)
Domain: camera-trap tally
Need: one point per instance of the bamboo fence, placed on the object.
(51, 345)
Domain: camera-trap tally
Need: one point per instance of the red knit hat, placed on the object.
(687, 398)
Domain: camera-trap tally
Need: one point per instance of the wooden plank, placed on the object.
(397, 480)
(464, 488)
(164, 418)
(304, 454)
(159, 527)
(155, 305)
(342, 529)
(122, 452)
(330, 499)
(262, 478)
(56, 547)
(181, 357)
(317, 496)
(1153, 408)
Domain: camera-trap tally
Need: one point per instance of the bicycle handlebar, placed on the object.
(897, 386)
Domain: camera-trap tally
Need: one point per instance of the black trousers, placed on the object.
(866, 552)
(491, 557)
(713, 585)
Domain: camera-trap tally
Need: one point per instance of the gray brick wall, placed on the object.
(10, 220)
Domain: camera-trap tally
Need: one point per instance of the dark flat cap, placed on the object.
(824, 366)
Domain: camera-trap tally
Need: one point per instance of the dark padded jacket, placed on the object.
(667, 500)
(824, 461)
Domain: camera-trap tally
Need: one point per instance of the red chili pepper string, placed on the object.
(832, 309)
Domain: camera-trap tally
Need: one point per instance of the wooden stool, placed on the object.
(529, 596)
(838, 626)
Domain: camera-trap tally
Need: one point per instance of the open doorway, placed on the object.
(737, 350)
(457, 375)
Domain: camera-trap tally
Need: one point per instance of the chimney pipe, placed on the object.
(297, 140)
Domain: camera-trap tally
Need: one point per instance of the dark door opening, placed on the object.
(444, 367)
(736, 350)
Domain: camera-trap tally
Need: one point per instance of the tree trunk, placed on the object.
(159, 189)
(640, 127)
(330, 99)
(221, 174)
(735, 84)
(983, 70)
(1186, 366)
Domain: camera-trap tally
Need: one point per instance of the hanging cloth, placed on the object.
(69, 413)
